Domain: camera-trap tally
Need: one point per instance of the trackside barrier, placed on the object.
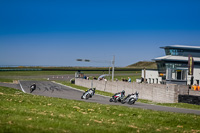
(154, 92)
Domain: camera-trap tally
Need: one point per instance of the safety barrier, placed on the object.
(154, 92)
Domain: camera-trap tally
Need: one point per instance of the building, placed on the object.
(173, 67)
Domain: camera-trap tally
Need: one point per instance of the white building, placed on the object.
(173, 68)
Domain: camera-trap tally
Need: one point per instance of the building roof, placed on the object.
(176, 58)
(182, 47)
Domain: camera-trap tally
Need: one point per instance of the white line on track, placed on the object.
(78, 89)
(21, 87)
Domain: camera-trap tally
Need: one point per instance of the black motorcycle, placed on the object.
(117, 97)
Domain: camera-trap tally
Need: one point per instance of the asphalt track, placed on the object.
(52, 89)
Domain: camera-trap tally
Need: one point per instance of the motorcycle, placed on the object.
(88, 93)
(131, 98)
(32, 87)
(117, 97)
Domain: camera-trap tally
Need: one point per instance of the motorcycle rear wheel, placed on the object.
(123, 102)
(115, 100)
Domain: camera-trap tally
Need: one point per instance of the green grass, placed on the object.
(29, 113)
(38, 73)
(6, 80)
(133, 77)
(181, 105)
(8, 76)
(142, 64)
(176, 105)
(84, 88)
(34, 73)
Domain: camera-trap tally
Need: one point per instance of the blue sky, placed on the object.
(54, 32)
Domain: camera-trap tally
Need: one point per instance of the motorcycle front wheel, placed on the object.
(111, 100)
(131, 101)
(87, 96)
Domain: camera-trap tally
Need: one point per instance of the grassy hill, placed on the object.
(142, 64)
(21, 112)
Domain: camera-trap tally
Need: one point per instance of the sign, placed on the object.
(190, 65)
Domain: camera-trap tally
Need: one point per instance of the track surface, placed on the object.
(51, 89)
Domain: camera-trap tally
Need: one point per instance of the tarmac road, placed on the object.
(52, 89)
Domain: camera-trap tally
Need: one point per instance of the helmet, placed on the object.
(123, 91)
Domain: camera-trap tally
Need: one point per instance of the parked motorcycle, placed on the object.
(88, 93)
(131, 98)
(117, 97)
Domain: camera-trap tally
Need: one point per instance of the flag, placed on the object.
(190, 65)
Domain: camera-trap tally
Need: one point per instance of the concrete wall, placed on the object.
(154, 92)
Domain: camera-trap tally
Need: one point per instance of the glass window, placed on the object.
(174, 52)
(176, 74)
(167, 52)
(182, 52)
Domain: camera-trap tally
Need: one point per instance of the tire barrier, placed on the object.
(189, 99)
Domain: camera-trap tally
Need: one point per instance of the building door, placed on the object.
(178, 72)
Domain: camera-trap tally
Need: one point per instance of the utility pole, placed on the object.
(113, 67)
(144, 75)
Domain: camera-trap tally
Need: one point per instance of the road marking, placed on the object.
(78, 89)
(21, 87)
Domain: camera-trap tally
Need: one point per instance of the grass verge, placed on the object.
(34, 73)
(22, 112)
(84, 88)
(6, 80)
(38, 73)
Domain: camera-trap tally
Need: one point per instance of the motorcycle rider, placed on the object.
(91, 92)
(120, 94)
(93, 89)
(32, 87)
(131, 98)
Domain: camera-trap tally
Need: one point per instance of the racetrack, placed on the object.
(52, 89)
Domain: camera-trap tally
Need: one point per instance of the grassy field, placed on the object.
(34, 73)
(22, 112)
(22, 68)
(38, 73)
(6, 80)
(8, 76)
(120, 77)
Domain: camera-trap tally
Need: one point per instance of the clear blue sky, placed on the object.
(54, 32)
